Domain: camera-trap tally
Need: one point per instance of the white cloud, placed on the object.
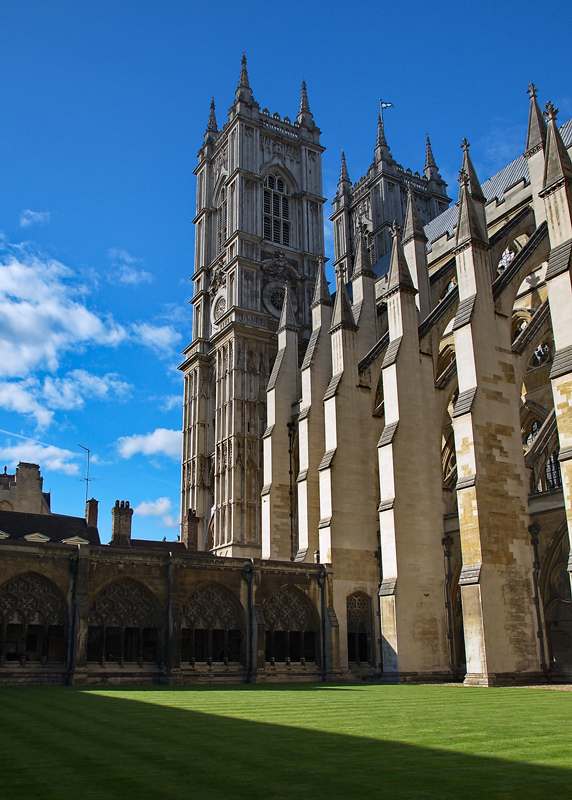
(162, 339)
(158, 508)
(153, 508)
(41, 316)
(124, 269)
(160, 442)
(69, 392)
(49, 457)
(28, 218)
(20, 397)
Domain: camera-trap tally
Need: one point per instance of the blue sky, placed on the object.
(104, 106)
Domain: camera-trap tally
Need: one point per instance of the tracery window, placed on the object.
(553, 473)
(33, 620)
(212, 627)
(291, 628)
(505, 259)
(534, 429)
(123, 625)
(358, 607)
(276, 207)
(541, 355)
(222, 223)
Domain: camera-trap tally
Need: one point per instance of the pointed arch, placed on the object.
(292, 627)
(124, 623)
(213, 626)
(34, 619)
(359, 628)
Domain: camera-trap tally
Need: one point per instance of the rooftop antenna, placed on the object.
(87, 479)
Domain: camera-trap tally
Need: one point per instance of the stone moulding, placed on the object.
(562, 363)
(470, 574)
(387, 587)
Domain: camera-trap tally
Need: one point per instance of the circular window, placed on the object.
(220, 308)
(277, 298)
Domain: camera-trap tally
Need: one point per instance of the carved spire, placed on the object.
(429, 159)
(322, 295)
(399, 275)
(536, 133)
(468, 168)
(344, 174)
(287, 318)
(381, 140)
(211, 125)
(557, 164)
(413, 225)
(468, 225)
(243, 90)
(342, 315)
(362, 263)
(304, 114)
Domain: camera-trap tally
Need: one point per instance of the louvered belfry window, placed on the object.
(276, 206)
(222, 232)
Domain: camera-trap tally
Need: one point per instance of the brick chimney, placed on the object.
(190, 530)
(121, 525)
(91, 513)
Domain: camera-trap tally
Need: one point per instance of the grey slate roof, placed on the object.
(494, 187)
(57, 526)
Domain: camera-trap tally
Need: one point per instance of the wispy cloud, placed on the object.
(125, 269)
(162, 339)
(70, 391)
(170, 402)
(28, 217)
(160, 442)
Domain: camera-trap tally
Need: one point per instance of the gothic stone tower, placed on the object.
(259, 227)
(380, 198)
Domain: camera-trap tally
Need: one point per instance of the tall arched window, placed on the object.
(276, 204)
(33, 620)
(123, 625)
(358, 606)
(212, 628)
(291, 628)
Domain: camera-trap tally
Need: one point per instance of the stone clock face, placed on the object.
(273, 297)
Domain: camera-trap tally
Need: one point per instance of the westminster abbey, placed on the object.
(376, 480)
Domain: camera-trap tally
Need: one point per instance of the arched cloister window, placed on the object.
(291, 628)
(124, 621)
(358, 608)
(33, 617)
(277, 211)
(212, 627)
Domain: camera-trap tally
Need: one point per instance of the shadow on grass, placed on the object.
(74, 744)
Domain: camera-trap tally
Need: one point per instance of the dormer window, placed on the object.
(276, 210)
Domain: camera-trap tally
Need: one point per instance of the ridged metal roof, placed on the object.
(495, 187)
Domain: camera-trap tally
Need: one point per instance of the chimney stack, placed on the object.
(190, 530)
(91, 513)
(121, 525)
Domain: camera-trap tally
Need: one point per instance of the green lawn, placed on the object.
(290, 741)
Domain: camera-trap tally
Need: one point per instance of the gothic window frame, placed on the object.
(124, 617)
(292, 628)
(222, 221)
(214, 610)
(359, 619)
(34, 611)
(277, 210)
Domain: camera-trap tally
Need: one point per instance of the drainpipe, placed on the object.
(447, 542)
(322, 583)
(247, 574)
(74, 567)
(534, 530)
(291, 426)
